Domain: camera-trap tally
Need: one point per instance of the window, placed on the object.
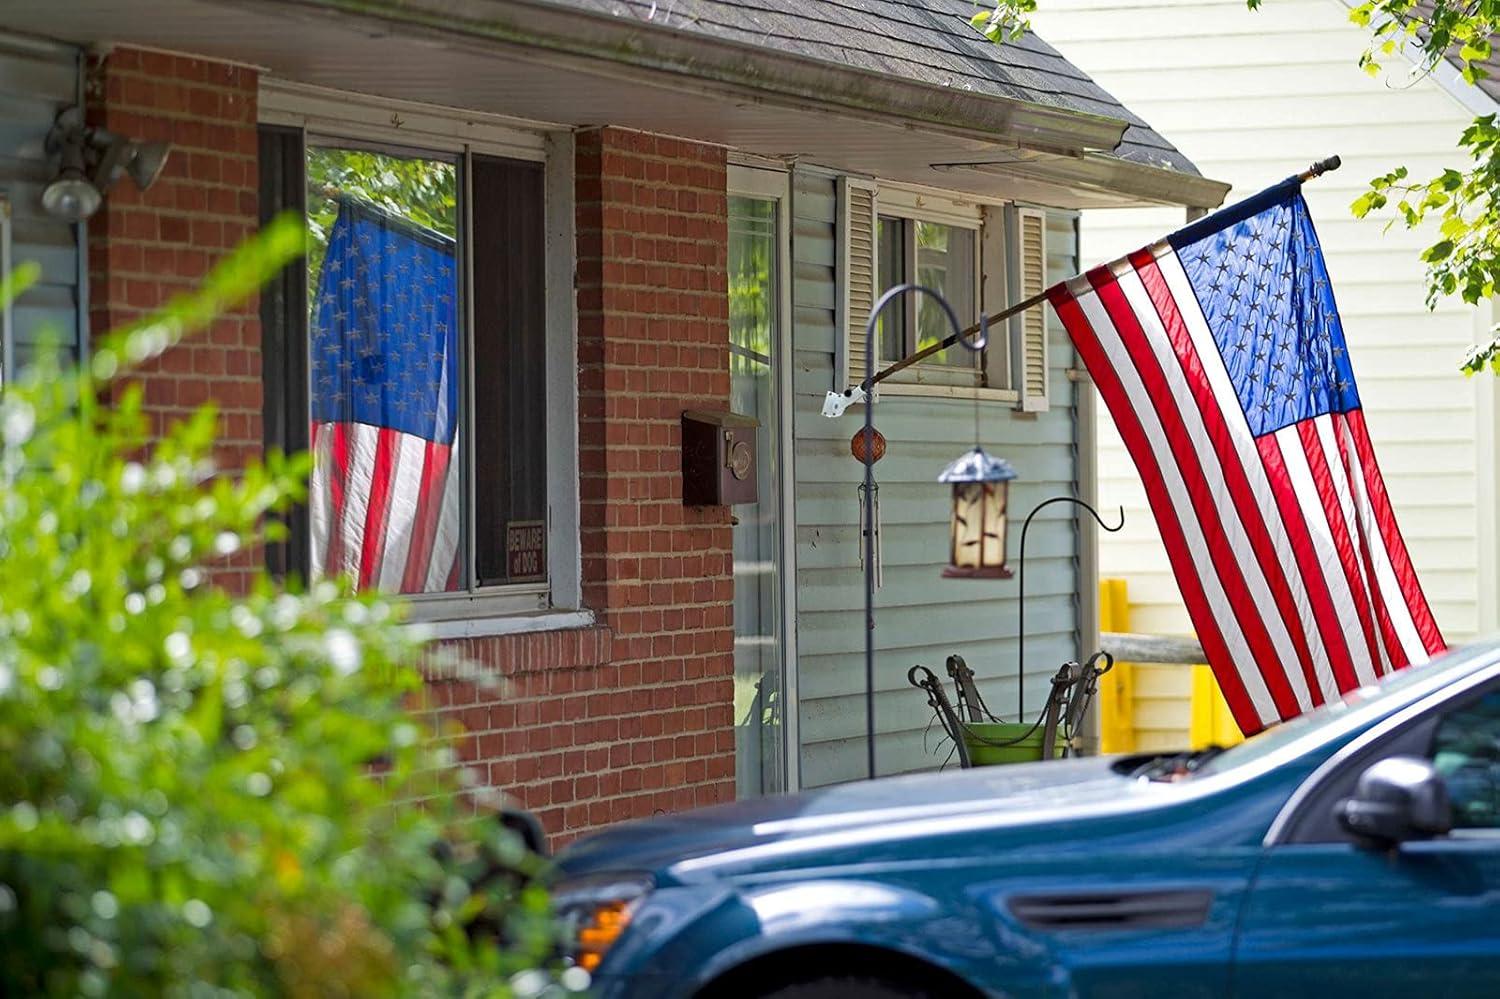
(980, 257)
(1466, 751)
(938, 256)
(416, 368)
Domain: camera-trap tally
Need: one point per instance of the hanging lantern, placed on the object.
(981, 485)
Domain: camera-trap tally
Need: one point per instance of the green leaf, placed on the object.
(14, 284)
(1453, 227)
(1438, 251)
(1476, 50)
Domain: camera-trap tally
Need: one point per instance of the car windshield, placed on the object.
(1364, 703)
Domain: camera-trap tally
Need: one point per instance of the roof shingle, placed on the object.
(926, 41)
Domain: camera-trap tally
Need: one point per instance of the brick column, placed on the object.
(634, 716)
(653, 341)
(145, 247)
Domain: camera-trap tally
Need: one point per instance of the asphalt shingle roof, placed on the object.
(926, 41)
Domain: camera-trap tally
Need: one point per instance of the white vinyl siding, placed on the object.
(920, 617)
(1251, 97)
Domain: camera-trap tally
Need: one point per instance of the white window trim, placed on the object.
(337, 115)
(324, 111)
(510, 624)
(928, 206)
(946, 208)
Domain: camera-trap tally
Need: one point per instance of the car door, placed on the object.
(1326, 916)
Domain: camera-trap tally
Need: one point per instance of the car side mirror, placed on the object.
(1397, 799)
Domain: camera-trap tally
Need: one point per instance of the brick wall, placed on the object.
(146, 246)
(633, 717)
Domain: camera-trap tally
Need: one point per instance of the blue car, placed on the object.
(1353, 851)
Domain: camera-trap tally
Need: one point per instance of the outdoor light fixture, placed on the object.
(90, 161)
(981, 488)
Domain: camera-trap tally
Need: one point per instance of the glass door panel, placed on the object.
(754, 331)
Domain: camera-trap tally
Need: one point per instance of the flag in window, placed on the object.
(1221, 356)
(383, 373)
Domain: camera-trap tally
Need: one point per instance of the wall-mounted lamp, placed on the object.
(90, 161)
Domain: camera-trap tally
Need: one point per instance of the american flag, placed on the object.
(383, 379)
(1221, 357)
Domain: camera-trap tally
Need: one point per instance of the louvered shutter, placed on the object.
(858, 275)
(1031, 272)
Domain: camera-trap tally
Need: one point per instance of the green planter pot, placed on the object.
(978, 737)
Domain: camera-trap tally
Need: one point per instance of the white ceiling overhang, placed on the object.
(531, 60)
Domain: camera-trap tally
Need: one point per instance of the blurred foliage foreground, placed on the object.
(203, 794)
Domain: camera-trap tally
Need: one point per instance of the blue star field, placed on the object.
(1264, 290)
(384, 337)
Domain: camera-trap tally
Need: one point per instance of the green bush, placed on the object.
(203, 794)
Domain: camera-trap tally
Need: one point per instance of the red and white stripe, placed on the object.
(1284, 546)
(384, 508)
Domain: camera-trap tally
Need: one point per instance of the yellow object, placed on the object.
(1149, 707)
(1117, 687)
(1212, 724)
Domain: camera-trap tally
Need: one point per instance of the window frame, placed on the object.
(325, 117)
(991, 373)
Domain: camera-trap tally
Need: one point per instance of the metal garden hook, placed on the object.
(1021, 601)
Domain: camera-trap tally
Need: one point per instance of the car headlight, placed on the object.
(595, 911)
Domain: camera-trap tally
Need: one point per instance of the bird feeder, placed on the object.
(981, 487)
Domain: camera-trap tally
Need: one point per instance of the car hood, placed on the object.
(1028, 792)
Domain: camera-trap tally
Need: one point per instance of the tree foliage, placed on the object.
(1461, 201)
(203, 794)
(1003, 20)
(1464, 202)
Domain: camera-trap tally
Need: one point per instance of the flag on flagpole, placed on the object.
(1221, 357)
(384, 492)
